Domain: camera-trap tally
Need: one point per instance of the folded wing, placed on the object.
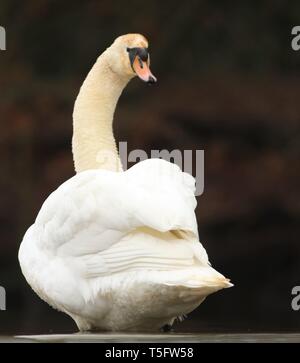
(112, 222)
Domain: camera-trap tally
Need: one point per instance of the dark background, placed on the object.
(229, 83)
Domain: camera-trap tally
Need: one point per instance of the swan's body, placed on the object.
(117, 250)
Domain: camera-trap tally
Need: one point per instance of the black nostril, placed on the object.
(151, 80)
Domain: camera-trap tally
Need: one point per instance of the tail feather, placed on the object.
(202, 277)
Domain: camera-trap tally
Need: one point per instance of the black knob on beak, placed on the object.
(142, 53)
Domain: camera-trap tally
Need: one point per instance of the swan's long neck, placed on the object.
(94, 146)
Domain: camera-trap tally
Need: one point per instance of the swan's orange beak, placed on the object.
(142, 69)
(139, 60)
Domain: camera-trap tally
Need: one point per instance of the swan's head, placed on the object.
(128, 56)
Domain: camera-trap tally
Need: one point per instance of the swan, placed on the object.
(118, 250)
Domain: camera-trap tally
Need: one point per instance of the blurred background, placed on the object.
(229, 83)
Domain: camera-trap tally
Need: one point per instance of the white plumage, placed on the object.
(120, 250)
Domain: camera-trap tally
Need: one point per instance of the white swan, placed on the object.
(118, 250)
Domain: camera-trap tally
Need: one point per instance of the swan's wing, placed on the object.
(89, 215)
(84, 215)
(143, 249)
(161, 196)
